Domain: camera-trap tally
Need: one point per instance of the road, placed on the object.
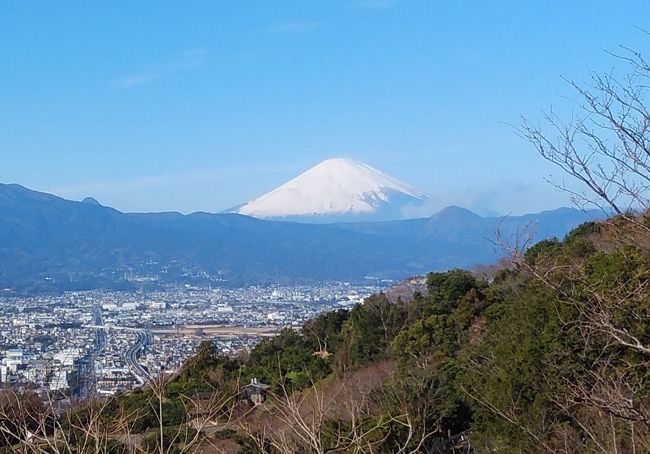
(86, 379)
(132, 354)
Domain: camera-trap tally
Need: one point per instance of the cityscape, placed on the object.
(78, 345)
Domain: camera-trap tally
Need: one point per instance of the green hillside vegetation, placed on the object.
(551, 355)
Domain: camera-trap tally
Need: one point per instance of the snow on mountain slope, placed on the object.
(335, 187)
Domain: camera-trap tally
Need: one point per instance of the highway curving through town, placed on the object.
(132, 354)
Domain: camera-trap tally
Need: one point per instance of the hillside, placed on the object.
(518, 364)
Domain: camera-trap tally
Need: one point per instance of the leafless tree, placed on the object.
(297, 423)
(28, 425)
(606, 144)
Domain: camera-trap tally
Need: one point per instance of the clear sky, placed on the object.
(203, 105)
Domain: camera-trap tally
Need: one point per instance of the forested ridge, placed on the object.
(548, 356)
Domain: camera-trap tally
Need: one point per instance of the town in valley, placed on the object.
(76, 345)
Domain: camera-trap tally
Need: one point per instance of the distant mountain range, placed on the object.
(49, 243)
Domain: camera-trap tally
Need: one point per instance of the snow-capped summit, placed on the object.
(336, 189)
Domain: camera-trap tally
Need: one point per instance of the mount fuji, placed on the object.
(336, 190)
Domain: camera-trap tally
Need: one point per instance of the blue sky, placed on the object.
(186, 106)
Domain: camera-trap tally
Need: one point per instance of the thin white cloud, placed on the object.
(296, 27)
(102, 188)
(375, 4)
(511, 197)
(135, 80)
(186, 60)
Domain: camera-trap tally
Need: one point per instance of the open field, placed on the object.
(203, 331)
